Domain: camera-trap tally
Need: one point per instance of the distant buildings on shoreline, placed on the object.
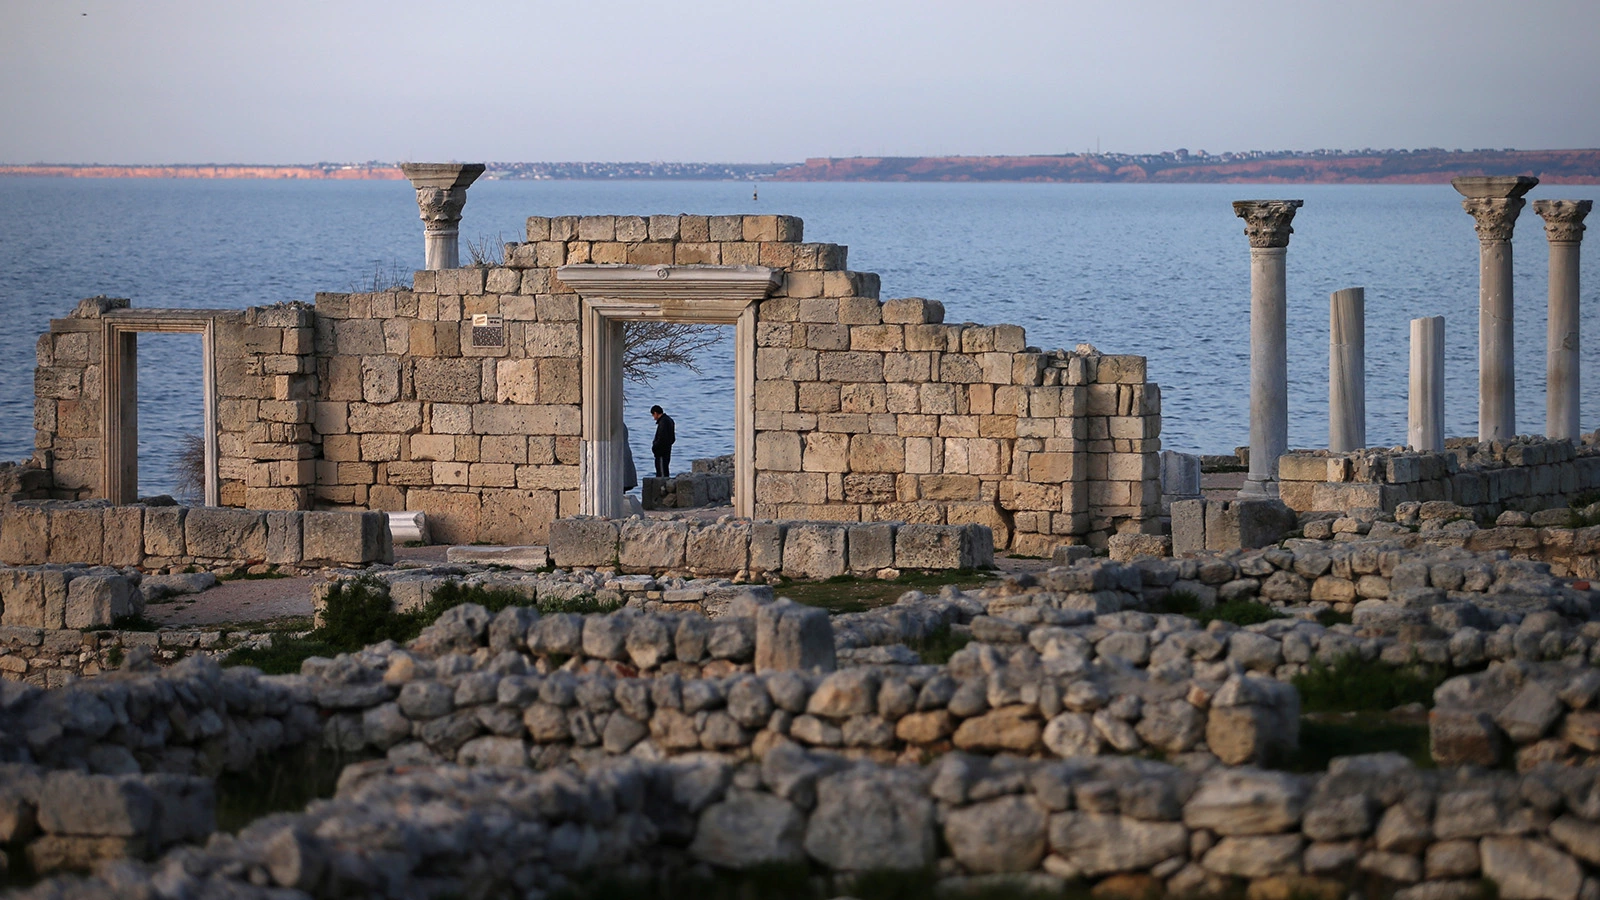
(1432, 165)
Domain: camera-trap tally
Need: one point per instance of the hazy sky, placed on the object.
(299, 81)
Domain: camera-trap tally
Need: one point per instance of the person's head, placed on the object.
(656, 411)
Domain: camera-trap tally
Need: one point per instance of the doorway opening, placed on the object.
(121, 382)
(613, 295)
(688, 370)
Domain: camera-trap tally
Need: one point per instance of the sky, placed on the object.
(295, 81)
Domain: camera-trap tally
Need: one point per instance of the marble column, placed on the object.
(1266, 224)
(1494, 202)
(1347, 370)
(441, 194)
(1425, 409)
(1563, 225)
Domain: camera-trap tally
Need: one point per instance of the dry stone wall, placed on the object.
(865, 410)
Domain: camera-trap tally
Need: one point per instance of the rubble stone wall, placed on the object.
(1526, 474)
(97, 533)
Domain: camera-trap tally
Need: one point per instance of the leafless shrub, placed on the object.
(386, 276)
(486, 253)
(189, 467)
(648, 346)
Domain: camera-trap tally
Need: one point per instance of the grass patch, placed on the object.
(1330, 617)
(1239, 612)
(848, 593)
(1353, 684)
(281, 782)
(132, 622)
(359, 613)
(937, 648)
(1327, 735)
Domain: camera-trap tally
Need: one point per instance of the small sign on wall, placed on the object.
(488, 332)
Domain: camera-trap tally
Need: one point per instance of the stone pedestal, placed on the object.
(1494, 202)
(1347, 370)
(1267, 227)
(1425, 409)
(441, 194)
(1563, 225)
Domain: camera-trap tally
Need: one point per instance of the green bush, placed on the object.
(1239, 612)
(937, 648)
(1352, 684)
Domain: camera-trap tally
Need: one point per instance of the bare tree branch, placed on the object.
(648, 346)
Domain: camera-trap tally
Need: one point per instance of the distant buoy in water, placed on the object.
(755, 194)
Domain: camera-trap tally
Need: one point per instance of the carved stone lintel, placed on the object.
(1563, 219)
(1494, 218)
(441, 207)
(1266, 222)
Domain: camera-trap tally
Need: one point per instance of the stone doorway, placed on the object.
(614, 294)
(119, 413)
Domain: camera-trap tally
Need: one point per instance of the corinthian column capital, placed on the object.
(1494, 202)
(1266, 222)
(441, 207)
(441, 190)
(1563, 219)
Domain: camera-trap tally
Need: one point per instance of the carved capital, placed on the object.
(1494, 217)
(1563, 219)
(441, 207)
(1266, 222)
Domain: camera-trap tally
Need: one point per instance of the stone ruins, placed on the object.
(1143, 714)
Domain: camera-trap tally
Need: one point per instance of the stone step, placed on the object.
(528, 557)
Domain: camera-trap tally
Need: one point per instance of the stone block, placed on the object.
(1188, 527)
(871, 546)
(225, 534)
(1248, 524)
(22, 599)
(346, 538)
(814, 550)
(284, 537)
(97, 601)
(122, 541)
(77, 535)
(721, 549)
(793, 638)
(583, 542)
(517, 516)
(164, 531)
(766, 546)
(937, 547)
(651, 546)
(24, 535)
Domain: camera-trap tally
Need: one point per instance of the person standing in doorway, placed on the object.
(666, 434)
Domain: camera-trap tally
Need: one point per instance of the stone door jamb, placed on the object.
(614, 294)
(119, 404)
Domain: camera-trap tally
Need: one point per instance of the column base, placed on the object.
(1256, 490)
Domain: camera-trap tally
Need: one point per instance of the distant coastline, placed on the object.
(1430, 166)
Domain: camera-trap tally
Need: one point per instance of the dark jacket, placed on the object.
(666, 434)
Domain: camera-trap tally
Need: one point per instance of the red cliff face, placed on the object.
(1420, 167)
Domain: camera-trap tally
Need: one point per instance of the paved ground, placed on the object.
(260, 600)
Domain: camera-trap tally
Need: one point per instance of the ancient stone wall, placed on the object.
(462, 397)
(1528, 474)
(97, 533)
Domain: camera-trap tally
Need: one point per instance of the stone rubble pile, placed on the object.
(686, 490)
(1147, 826)
(1522, 712)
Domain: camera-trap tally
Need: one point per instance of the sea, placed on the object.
(1156, 270)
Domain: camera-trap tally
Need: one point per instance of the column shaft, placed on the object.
(1497, 368)
(1269, 366)
(1347, 370)
(1561, 361)
(442, 247)
(1425, 409)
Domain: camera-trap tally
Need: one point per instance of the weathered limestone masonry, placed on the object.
(260, 361)
(93, 532)
(1527, 474)
(462, 397)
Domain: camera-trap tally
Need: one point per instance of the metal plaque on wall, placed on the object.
(488, 331)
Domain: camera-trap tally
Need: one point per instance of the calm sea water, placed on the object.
(1161, 271)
